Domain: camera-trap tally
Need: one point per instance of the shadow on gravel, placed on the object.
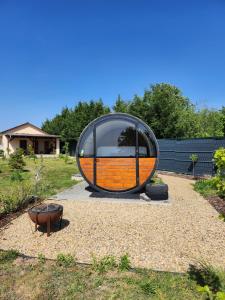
(96, 194)
(54, 227)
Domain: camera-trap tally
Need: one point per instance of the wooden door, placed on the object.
(116, 174)
(115, 156)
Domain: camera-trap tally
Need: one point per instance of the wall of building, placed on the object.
(11, 146)
(27, 129)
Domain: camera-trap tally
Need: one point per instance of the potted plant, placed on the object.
(193, 158)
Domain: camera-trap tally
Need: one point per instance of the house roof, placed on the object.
(11, 132)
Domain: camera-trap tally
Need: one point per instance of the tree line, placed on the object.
(163, 107)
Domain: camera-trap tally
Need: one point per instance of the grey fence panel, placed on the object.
(175, 155)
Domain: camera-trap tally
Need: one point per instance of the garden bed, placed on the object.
(16, 195)
(218, 203)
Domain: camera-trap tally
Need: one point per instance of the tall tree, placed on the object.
(223, 119)
(163, 107)
(120, 105)
(166, 110)
(70, 123)
(210, 123)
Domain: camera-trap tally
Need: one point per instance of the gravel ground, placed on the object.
(163, 237)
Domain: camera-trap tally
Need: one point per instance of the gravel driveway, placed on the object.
(163, 237)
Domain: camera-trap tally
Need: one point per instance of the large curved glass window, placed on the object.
(86, 148)
(115, 138)
(145, 142)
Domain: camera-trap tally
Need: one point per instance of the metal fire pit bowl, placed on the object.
(46, 214)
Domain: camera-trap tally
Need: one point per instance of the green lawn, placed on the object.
(40, 279)
(55, 176)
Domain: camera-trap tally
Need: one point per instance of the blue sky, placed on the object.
(55, 53)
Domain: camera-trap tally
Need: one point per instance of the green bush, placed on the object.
(16, 176)
(41, 258)
(104, 264)
(216, 185)
(30, 152)
(1, 153)
(17, 198)
(219, 182)
(16, 161)
(206, 187)
(206, 275)
(194, 159)
(65, 260)
(219, 157)
(148, 287)
(125, 263)
(6, 256)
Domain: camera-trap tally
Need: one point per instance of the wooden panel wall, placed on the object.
(87, 166)
(146, 166)
(116, 173)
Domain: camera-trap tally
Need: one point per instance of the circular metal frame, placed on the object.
(134, 120)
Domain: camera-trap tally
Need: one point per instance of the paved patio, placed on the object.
(167, 236)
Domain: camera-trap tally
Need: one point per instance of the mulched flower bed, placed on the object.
(218, 203)
(7, 218)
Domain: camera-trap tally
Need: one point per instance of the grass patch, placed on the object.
(156, 180)
(8, 256)
(211, 281)
(17, 188)
(49, 280)
(205, 187)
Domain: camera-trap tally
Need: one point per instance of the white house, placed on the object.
(27, 134)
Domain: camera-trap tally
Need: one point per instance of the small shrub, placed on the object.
(61, 156)
(156, 180)
(30, 152)
(65, 260)
(125, 263)
(16, 161)
(219, 182)
(194, 159)
(16, 176)
(41, 258)
(219, 157)
(148, 287)
(206, 187)
(66, 151)
(16, 198)
(6, 256)
(104, 264)
(222, 217)
(208, 294)
(205, 275)
(1, 153)
(98, 281)
(76, 287)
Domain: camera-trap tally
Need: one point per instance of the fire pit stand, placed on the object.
(46, 214)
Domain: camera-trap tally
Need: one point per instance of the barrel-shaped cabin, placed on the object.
(117, 153)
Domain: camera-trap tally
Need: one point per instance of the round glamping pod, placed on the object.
(117, 153)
